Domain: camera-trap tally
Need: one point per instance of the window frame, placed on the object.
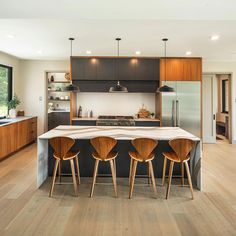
(10, 82)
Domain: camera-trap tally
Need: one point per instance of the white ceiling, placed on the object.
(141, 24)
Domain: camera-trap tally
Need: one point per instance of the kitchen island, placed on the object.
(82, 135)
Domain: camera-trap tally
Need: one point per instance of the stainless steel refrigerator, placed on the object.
(183, 108)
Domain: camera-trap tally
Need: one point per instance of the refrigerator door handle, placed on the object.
(173, 114)
(177, 114)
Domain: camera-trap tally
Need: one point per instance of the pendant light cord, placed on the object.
(165, 61)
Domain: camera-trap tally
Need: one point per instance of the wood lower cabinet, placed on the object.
(17, 135)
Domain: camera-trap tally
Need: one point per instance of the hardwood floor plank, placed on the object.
(26, 210)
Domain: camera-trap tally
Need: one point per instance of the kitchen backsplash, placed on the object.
(115, 103)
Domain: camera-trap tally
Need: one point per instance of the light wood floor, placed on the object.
(25, 210)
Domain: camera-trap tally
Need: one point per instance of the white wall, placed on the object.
(33, 86)
(115, 103)
(225, 67)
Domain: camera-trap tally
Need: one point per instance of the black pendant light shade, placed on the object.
(118, 88)
(71, 87)
(165, 88)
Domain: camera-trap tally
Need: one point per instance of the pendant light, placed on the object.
(71, 87)
(118, 88)
(165, 88)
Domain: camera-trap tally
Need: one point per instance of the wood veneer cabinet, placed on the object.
(17, 135)
(181, 69)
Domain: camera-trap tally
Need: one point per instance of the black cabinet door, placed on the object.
(78, 68)
(84, 68)
(105, 69)
(125, 68)
(147, 69)
(58, 118)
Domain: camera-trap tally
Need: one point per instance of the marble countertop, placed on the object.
(14, 120)
(118, 132)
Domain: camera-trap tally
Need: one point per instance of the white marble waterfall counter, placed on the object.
(119, 133)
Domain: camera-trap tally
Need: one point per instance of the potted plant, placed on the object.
(12, 104)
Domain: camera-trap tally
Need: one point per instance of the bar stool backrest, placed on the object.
(182, 147)
(103, 145)
(144, 146)
(61, 145)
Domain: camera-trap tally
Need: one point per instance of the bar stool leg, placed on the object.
(134, 166)
(164, 171)
(94, 177)
(189, 178)
(113, 176)
(54, 176)
(169, 179)
(153, 177)
(149, 174)
(114, 162)
(77, 167)
(130, 170)
(73, 176)
(182, 173)
(59, 170)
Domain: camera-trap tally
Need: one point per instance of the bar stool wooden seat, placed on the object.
(144, 153)
(180, 154)
(103, 152)
(61, 147)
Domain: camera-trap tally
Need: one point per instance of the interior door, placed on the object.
(209, 108)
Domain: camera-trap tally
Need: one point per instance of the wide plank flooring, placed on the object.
(26, 210)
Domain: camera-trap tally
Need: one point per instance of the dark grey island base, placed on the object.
(86, 161)
(124, 135)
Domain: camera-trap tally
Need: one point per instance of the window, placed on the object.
(5, 88)
(225, 96)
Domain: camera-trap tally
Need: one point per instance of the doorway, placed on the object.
(216, 103)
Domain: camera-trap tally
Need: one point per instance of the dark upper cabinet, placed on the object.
(147, 69)
(125, 69)
(114, 69)
(105, 69)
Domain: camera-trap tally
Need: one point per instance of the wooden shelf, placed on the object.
(58, 91)
(58, 82)
(59, 100)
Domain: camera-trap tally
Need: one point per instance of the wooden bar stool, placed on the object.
(180, 154)
(103, 152)
(144, 153)
(61, 147)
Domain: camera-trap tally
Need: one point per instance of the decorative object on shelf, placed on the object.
(52, 78)
(20, 113)
(62, 98)
(80, 112)
(58, 89)
(71, 87)
(152, 115)
(12, 104)
(118, 88)
(91, 114)
(67, 98)
(67, 76)
(143, 112)
(165, 88)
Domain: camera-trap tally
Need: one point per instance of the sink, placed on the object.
(4, 122)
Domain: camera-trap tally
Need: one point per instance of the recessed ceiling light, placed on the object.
(11, 36)
(39, 52)
(214, 37)
(137, 52)
(88, 52)
(188, 53)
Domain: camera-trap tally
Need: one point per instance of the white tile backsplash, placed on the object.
(115, 103)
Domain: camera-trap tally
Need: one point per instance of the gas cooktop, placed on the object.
(116, 117)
